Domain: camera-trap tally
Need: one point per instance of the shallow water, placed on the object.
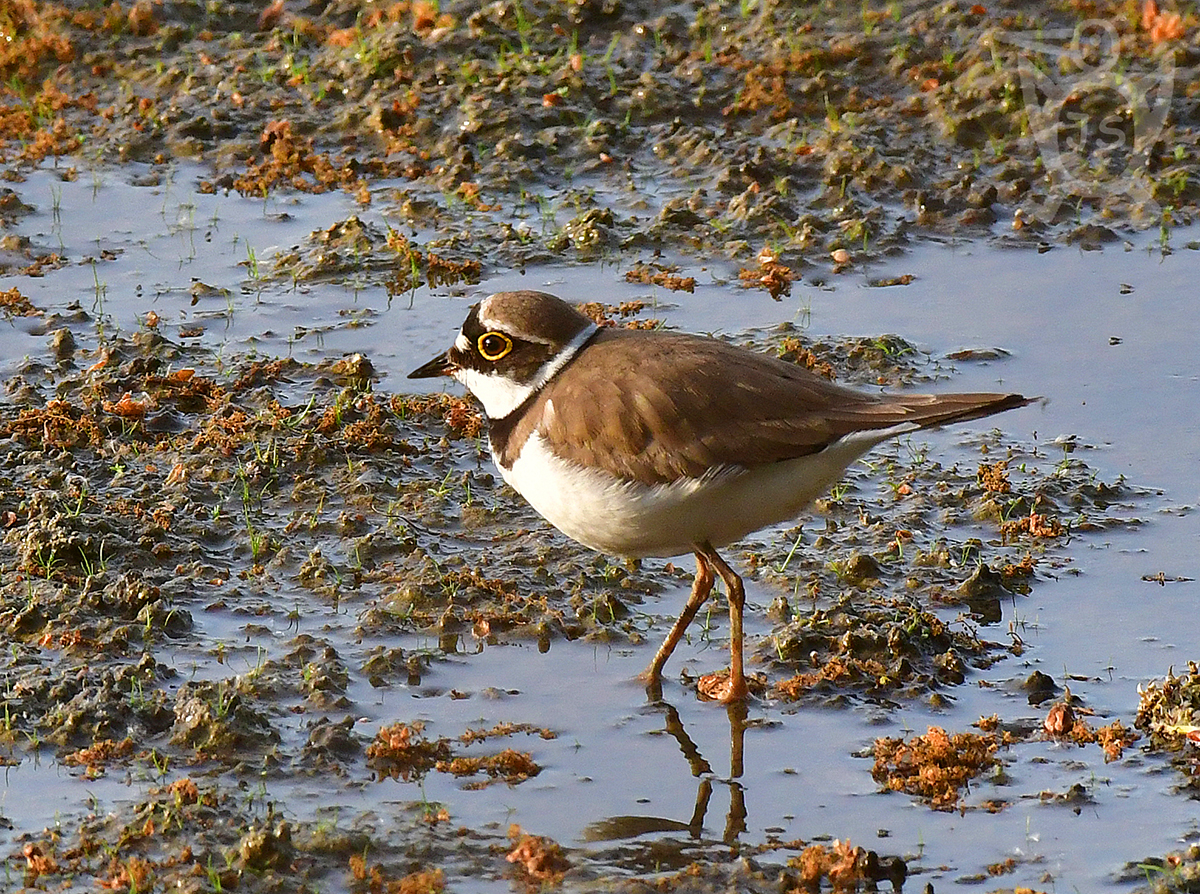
(1107, 337)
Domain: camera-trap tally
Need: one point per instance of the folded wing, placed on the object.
(697, 404)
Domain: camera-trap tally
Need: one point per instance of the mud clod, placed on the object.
(936, 766)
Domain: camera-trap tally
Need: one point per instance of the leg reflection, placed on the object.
(738, 712)
(696, 826)
(735, 822)
(675, 727)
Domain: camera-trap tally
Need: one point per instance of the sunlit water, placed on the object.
(1108, 338)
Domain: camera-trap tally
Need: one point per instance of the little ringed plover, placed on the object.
(639, 443)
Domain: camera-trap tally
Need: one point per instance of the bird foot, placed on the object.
(653, 684)
(721, 687)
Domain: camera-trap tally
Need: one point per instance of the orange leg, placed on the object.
(708, 561)
(701, 587)
(738, 690)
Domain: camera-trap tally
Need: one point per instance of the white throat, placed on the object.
(500, 395)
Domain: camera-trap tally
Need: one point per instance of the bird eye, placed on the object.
(494, 345)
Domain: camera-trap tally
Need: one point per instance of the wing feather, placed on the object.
(696, 404)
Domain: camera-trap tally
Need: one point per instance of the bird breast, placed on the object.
(632, 519)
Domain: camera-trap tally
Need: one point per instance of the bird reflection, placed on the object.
(625, 827)
(668, 850)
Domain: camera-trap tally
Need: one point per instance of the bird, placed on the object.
(658, 443)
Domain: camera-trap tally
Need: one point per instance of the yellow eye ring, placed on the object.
(493, 345)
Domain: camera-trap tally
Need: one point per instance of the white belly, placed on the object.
(630, 519)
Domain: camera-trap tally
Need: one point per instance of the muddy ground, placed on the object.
(146, 483)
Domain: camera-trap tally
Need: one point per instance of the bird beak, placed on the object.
(441, 365)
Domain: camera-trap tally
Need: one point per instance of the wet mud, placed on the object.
(208, 563)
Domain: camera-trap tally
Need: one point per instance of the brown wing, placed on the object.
(694, 403)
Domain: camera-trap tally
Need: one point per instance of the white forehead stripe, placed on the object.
(500, 324)
(485, 318)
(462, 342)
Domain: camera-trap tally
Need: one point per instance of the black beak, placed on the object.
(441, 365)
